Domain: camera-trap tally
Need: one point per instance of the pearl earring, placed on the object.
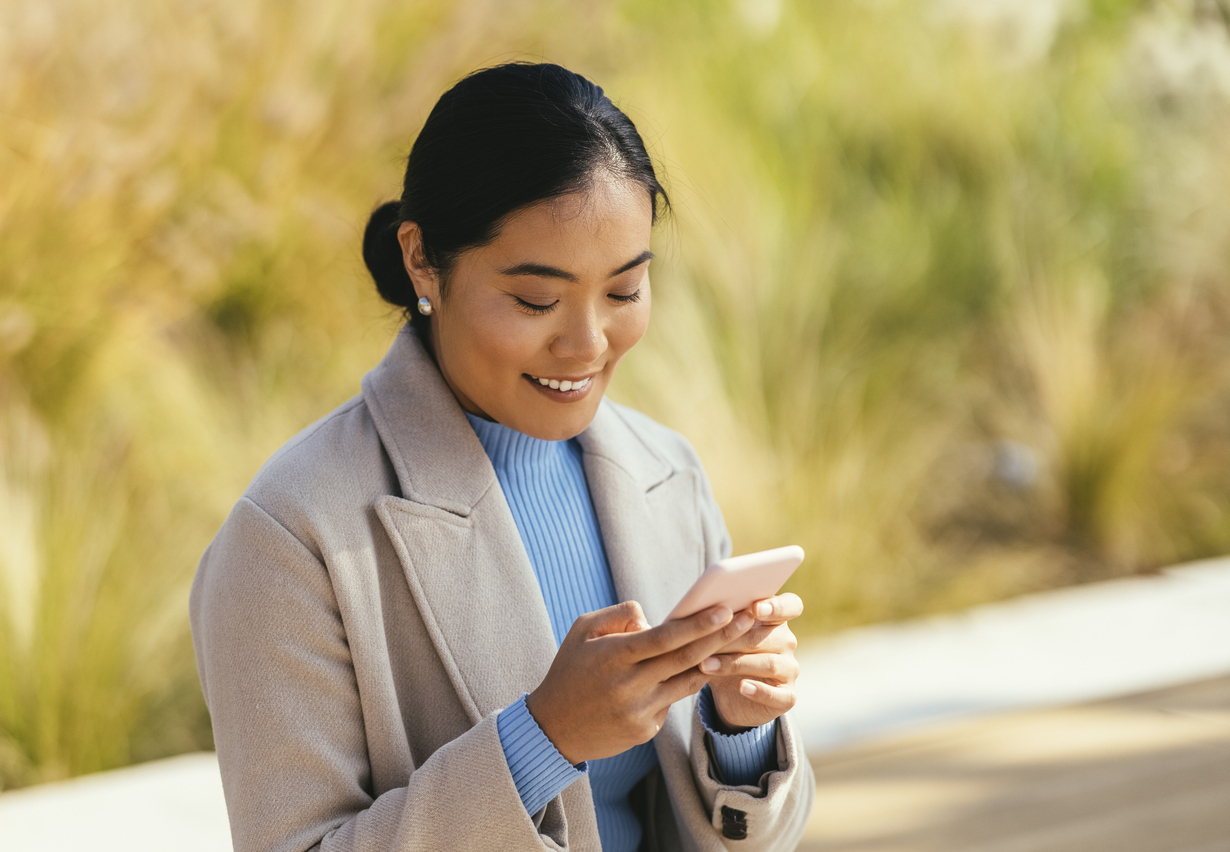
(425, 306)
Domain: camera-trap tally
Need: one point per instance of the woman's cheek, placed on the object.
(503, 340)
(631, 327)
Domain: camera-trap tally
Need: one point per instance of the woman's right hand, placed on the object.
(614, 677)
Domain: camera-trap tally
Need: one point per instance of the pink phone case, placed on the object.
(740, 581)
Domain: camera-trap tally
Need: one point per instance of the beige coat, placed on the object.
(368, 609)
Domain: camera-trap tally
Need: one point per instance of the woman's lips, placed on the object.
(561, 390)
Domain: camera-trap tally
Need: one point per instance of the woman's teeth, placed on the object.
(556, 384)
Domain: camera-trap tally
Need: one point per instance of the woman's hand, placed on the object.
(753, 677)
(614, 677)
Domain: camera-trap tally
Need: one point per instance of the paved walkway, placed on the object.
(1149, 773)
(172, 805)
(900, 721)
(1070, 645)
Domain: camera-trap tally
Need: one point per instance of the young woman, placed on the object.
(428, 623)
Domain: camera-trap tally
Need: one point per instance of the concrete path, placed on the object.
(1056, 648)
(172, 805)
(1146, 773)
(1078, 644)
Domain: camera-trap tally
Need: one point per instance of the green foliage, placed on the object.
(943, 297)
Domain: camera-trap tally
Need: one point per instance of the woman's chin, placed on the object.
(555, 422)
(557, 430)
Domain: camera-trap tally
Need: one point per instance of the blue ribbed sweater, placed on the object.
(544, 484)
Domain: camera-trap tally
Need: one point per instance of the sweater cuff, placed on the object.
(741, 758)
(538, 769)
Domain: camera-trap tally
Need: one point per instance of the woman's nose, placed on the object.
(582, 337)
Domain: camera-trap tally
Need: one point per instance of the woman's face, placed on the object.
(535, 323)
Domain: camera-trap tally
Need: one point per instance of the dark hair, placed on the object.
(500, 140)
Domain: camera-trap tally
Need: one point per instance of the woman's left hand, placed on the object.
(753, 677)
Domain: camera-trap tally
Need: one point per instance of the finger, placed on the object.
(763, 639)
(776, 668)
(668, 665)
(676, 633)
(778, 608)
(776, 698)
(626, 617)
(679, 687)
(759, 639)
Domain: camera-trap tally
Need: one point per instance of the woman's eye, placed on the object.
(532, 308)
(630, 297)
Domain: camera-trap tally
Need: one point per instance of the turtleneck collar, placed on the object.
(508, 449)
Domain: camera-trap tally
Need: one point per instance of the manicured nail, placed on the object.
(764, 609)
(744, 621)
(711, 664)
(747, 688)
(721, 615)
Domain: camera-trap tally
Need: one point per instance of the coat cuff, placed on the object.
(538, 769)
(772, 810)
(739, 759)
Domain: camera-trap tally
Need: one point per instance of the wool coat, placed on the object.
(368, 608)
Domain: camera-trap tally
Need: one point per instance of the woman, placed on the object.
(427, 623)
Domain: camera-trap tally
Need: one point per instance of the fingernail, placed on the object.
(744, 621)
(764, 609)
(747, 688)
(712, 664)
(721, 615)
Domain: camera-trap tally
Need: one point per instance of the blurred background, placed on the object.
(943, 297)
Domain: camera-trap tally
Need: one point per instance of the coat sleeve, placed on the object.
(275, 666)
(772, 815)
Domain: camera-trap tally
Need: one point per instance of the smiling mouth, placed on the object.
(563, 385)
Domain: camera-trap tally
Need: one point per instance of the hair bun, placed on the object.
(382, 254)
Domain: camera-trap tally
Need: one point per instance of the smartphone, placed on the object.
(740, 581)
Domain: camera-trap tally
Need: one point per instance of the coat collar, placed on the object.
(435, 453)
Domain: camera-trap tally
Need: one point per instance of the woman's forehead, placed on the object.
(585, 233)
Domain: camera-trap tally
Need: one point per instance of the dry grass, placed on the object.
(944, 299)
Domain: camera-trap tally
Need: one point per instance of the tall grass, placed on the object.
(920, 248)
(943, 298)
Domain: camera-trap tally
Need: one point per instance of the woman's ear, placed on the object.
(422, 275)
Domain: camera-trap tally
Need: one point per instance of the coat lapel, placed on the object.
(647, 511)
(455, 536)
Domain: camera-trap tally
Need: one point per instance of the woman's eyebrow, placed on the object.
(643, 257)
(541, 270)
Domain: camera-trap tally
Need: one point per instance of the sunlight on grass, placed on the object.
(943, 298)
